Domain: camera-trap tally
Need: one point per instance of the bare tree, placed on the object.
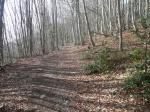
(37, 29)
(88, 24)
(54, 19)
(120, 26)
(1, 30)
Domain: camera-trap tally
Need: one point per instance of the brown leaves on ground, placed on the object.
(57, 83)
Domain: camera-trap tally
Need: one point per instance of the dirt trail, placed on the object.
(56, 83)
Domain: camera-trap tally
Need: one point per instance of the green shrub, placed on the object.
(147, 93)
(139, 60)
(148, 54)
(87, 55)
(137, 79)
(139, 66)
(144, 22)
(138, 83)
(100, 63)
(136, 55)
(93, 68)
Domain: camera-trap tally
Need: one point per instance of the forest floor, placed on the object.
(57, 83)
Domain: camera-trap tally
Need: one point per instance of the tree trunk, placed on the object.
(88, 25)
(1, 30)
(120, 27)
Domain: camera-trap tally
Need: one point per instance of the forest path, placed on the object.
(56, 83)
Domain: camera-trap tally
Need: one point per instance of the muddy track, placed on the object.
(50, 84)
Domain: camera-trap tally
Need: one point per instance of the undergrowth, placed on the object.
(138, 59)
(106, 61)
(87, 55)
(99, 64)
(138, 83)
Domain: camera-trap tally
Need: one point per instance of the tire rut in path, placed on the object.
(53, 88)
(46, 83)
(56, 83)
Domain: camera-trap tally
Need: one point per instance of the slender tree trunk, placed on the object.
(110, 16)
(56, 25)
(1, 30)
(97, 17)
(88, 25)
(79, 22)
(120, 27)
(8, 46)
(54, 41)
